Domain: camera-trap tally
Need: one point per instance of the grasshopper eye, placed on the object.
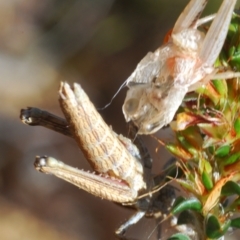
(131, 105)
(151, 127)
(148, 128)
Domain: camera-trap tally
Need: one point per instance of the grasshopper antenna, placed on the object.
(120, 88)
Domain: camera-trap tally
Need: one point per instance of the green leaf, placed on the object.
(233, 43)
(230, 188)
(205, 170)
(179, 200)
(204, 165)
(207, 181)
(187, 185)
(237, 126)
(223, 151)
(221, 87)
(188, 204)
(214, 229)
(235, 222)
(179, 236)
(178, 151)
(212, 225)
(186, 145)
(211, 149)
(232, 159)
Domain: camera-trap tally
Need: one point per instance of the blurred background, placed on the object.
(96, 43)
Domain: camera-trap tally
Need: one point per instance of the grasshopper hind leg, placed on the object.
(132, 220)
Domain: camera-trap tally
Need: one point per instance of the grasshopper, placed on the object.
(156, 90)
(162, 78)
(122, 171)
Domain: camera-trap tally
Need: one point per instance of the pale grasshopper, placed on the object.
(162, 78)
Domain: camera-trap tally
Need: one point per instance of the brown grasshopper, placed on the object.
(162, 78)
(122, 171)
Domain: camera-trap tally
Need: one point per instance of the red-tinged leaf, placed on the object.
(178, 152)
(199, 187)
(215, 131)
(185, 120)
(210, 91)
(193, 136)
(187, 146)
(214, 195)
(229, 169)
